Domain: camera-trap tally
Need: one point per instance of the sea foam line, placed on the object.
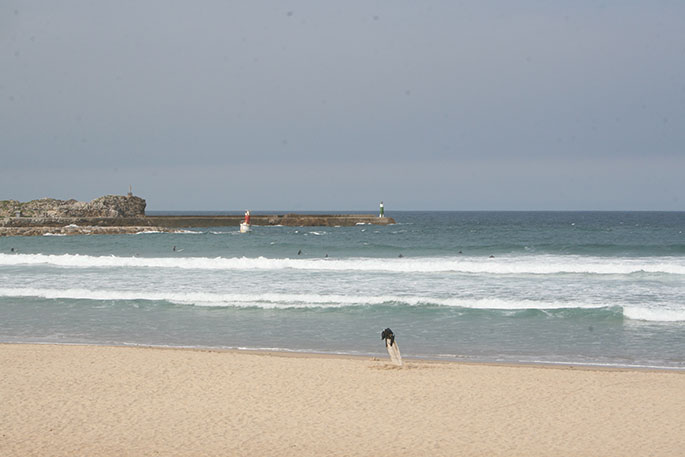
(287, 301)
(276, 300)
(543, 264)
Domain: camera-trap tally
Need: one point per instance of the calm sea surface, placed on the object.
(603, 288)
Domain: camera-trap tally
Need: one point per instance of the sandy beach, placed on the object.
(122, 401)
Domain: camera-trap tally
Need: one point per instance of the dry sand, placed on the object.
(113, 401)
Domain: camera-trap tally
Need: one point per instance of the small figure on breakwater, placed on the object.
(382, 214)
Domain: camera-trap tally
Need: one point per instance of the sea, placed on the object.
(570, 288)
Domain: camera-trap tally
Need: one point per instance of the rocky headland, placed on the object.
(111, 214)
(109, 206)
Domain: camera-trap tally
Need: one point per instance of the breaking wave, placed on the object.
(542, 265)
(293, 301)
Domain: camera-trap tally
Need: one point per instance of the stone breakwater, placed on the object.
(113, 214)
(78, 230)
(291, 220)
(35, 226)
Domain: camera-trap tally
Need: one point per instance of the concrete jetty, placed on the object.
(292, 220)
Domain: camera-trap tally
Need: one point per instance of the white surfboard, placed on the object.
(394, 352)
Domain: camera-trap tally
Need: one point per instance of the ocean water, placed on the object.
(591, 288)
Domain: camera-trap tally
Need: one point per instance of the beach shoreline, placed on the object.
(380, 356)
(139, 401)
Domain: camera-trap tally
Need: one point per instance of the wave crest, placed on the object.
(542, 265)
(299, 301)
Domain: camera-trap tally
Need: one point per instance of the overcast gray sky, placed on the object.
(313, 105)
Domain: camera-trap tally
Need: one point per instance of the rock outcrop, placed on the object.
(113, 206)
(81, 230)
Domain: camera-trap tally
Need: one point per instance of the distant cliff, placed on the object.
(107, 206)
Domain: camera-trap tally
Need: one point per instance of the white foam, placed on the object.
(654, 315)
(542, 265)
(281, 300)
(284, 301)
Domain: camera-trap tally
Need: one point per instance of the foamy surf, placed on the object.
(303, 301)
(513, 265)
(653, 314)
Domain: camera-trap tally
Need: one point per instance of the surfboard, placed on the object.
(394, 352)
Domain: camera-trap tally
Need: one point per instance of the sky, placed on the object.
(311, 105)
